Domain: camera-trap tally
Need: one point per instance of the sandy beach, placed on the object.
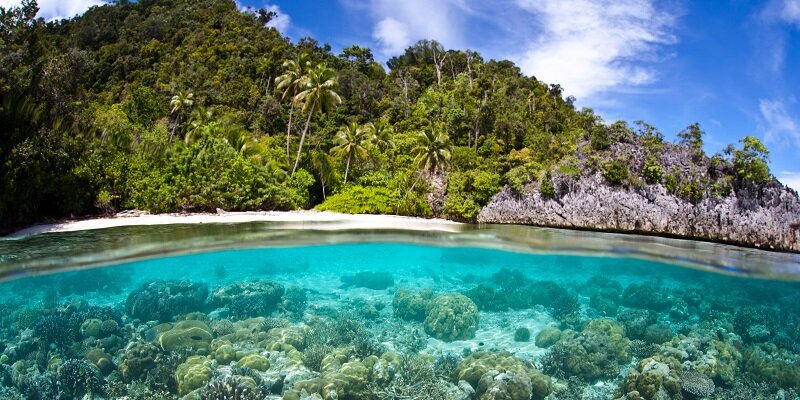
(293, 219)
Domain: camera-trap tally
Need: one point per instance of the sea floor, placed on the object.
(395, 321)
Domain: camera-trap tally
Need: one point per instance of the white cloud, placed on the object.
(790, 179)
(783, 10)
(392, 35)
(401, 23)
(58, 9)
(779, 126)
(591, 47)
(282, 21)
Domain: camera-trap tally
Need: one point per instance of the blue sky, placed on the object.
(732, 65)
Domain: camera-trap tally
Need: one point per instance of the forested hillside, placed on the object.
(195, 105)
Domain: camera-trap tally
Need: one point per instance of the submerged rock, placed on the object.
(369, 280)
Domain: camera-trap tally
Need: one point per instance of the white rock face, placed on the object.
(761, 219)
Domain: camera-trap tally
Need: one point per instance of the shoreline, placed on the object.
(327, 220)
(319, 219)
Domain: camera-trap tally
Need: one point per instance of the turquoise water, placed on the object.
(398, 321)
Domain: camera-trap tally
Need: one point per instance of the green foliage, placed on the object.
(143, 107)
(616, 172)
(518, 177)
(547, 189)
(692, 190)
(373, 200)
(671, 182)
(600, 138)
(652, 171)
(464, 158)
(722, 187)
(750, 162)
(468, 191)
(692, 137)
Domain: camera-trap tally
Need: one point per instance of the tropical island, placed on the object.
(194, 106)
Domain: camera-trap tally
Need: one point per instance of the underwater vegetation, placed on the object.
(510, 334)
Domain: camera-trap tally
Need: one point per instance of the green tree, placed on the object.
(433, 151)
(290, 83)
(547, 189)
(750, 162)
(317, 97)
(179, 103)
(322, 163)
(351, 142)
(692, 137)
(201, 116)
(380, 135)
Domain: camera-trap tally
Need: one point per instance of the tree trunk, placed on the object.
(469, 68)
(288, 133)
(174, 127)
(347, 168)
(405, 95)
(302, 140)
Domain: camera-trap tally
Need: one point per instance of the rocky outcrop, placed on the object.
(760, 217)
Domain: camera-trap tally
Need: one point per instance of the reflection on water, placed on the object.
(71, 250)
(255, 311)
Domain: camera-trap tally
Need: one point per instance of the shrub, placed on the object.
(375, 200)
(518, 177)
(692, 190)
(652, 171)
(547, 189)
(468, 191)
(750, 163)
(616, 172)
(722, 187)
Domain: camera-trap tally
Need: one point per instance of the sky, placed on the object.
(731, 65)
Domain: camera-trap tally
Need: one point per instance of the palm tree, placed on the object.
(318, 96)
(380, 134)
(351, 141)
(179, 103)
(322, 163)
(290, 83)
(433, 151)
(241, 140)
(200, 117)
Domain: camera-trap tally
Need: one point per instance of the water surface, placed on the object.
(272, 311)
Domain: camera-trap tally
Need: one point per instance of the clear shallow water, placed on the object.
(394, 316)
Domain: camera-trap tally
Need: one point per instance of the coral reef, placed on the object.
(163, 300)
(522, 334)
(473, 368)
(194, 334)
(411, 306)
(697, 385)
(77, 378)
(596, 352)
(250, 299)
(451, 317)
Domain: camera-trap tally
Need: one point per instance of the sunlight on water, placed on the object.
(392, 315)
